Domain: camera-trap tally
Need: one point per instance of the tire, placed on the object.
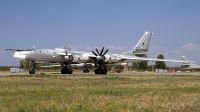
(62, 71)
(105, 71)
(32, 72)
(96, 71)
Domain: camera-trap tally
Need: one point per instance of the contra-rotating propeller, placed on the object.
(101, 55)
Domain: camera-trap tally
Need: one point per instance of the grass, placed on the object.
(69, 93)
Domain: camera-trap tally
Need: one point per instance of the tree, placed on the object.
(160, 64)
(24, 64)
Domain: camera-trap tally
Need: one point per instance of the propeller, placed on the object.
(101, 55)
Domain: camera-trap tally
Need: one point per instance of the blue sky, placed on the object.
(86, 24)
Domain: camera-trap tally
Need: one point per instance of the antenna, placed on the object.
(33, 48)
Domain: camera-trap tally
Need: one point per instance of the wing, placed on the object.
(132, 59)
(151, 53)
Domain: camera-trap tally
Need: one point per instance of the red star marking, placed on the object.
(143, 43)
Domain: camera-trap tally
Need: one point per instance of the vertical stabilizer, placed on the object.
(143, 44)
(189, 65)
(183, 58)
(142, 47)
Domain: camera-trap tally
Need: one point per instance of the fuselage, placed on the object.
(63, 55)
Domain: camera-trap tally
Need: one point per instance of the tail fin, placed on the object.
(183, 58)
(142, 47)
(143, 44)
(188, 65)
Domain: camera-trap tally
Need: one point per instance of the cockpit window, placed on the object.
(31, 49)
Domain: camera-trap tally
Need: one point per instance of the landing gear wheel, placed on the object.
(66, 71)
(100, 71)
(32, 72)
(86, 71)
(70, 71)
(118, 71)
(96, 71)
(62, 71)
(105, 71)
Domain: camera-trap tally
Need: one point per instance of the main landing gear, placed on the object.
(85, 69)
(100, 69)
(100, 65)
(66, 71)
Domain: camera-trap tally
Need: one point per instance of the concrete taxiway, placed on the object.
(91, 73)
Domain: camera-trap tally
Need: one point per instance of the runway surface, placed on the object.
(91, 73)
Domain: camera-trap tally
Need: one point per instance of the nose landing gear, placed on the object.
(32, 68)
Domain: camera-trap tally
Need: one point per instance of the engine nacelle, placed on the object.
(115, 59)
(76, 58)
(107, 58)
(84, 58)
(69, 58)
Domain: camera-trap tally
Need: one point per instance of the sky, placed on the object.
(86, 24)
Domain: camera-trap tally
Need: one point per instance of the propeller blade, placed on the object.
(101, 51)
(94, 53)
(97, 51)
(105, 53)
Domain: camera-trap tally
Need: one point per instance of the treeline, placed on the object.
(25, 66)
(143, 66)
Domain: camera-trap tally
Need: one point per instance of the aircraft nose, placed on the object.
(19, 56)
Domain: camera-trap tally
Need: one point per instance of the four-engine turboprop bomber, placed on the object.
(100, 59)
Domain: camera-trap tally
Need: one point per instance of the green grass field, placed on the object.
(69, 93)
